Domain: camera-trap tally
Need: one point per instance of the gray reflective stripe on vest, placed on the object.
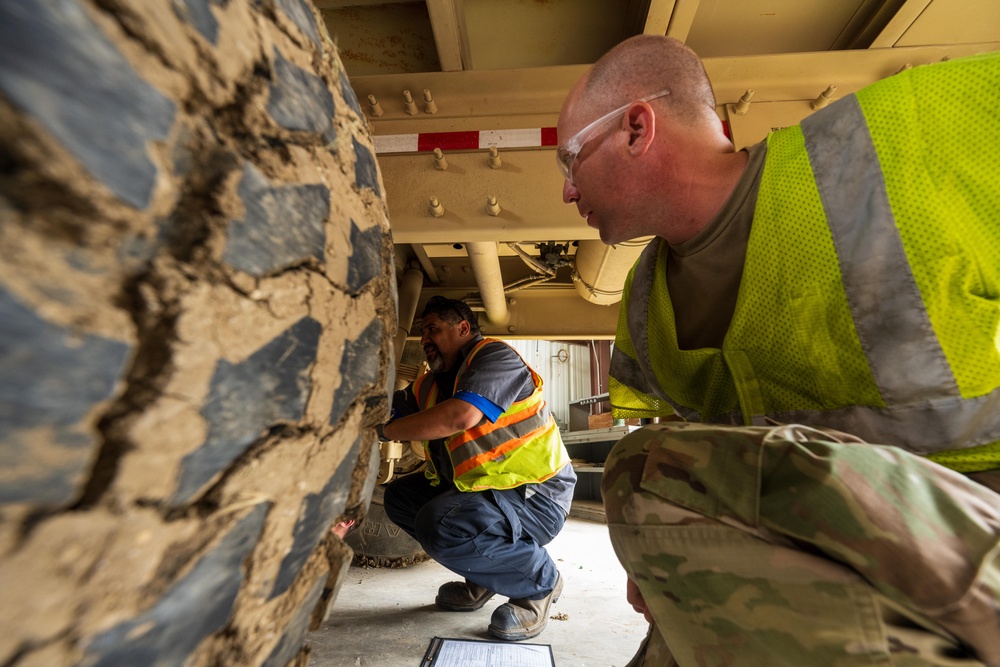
(925, 410)
(638, 373)
(627, 371)
(895, 331)
(640, 369)
(642, 281)
(493, 439)
(949, 423)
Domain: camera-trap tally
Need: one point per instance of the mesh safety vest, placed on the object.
(523, 446)
(870, 297)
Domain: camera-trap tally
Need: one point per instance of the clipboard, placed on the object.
(448, 652)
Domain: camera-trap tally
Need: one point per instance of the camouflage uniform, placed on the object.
(788, 545)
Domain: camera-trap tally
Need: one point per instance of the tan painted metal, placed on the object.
(494, 160)
(508, 65)
(447, 21)
(906, 16)
(528, 188)
(425, 263)
(682, 19)
(743, 105)
(658, 17)
(515, 34)
(486, 267)
(949, 21)
(378, 37)
(601, 269)
(434, 207)
(552, 312)
(409, 295)
(495, 100)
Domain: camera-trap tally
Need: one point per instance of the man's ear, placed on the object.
(640, 120)
(464, 328)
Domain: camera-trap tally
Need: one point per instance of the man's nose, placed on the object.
(570, 193)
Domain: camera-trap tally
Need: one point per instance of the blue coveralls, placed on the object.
(495, 538)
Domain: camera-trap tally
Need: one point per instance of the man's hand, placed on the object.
(439, 421)
(634, 597)
(342, 529)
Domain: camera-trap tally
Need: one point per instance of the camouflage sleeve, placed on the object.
(785, 536)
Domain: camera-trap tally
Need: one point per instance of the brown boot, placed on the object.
(462, 596)
(523, 619)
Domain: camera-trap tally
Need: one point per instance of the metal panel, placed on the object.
(528, 188)
(448, 24)
(384, 39)
(520, 58)
(532, 98)
(565, 369)
(529, 33)
(958, 21)
(725, 28)
(553, 313)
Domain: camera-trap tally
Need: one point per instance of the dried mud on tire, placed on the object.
(378, 542)
(196, 308)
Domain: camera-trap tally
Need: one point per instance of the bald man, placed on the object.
(833, 286)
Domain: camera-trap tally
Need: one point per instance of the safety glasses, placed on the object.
(567, 154)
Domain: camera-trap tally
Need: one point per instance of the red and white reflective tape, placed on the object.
(426, 142)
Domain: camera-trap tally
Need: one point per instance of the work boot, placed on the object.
(523, 619)
(462, 596)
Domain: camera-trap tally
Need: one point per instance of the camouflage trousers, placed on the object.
(766, 546)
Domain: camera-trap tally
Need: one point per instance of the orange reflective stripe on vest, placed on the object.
(523, 445)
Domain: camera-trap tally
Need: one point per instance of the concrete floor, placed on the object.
(386, 617)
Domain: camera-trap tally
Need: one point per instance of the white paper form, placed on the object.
(462, 653)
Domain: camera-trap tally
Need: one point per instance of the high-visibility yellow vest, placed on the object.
(870, 298)
(523, 446)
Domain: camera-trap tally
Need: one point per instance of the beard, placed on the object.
(436, 364)
(434, 359)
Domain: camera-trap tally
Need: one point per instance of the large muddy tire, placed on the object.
(196, 311)
(378, 542)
